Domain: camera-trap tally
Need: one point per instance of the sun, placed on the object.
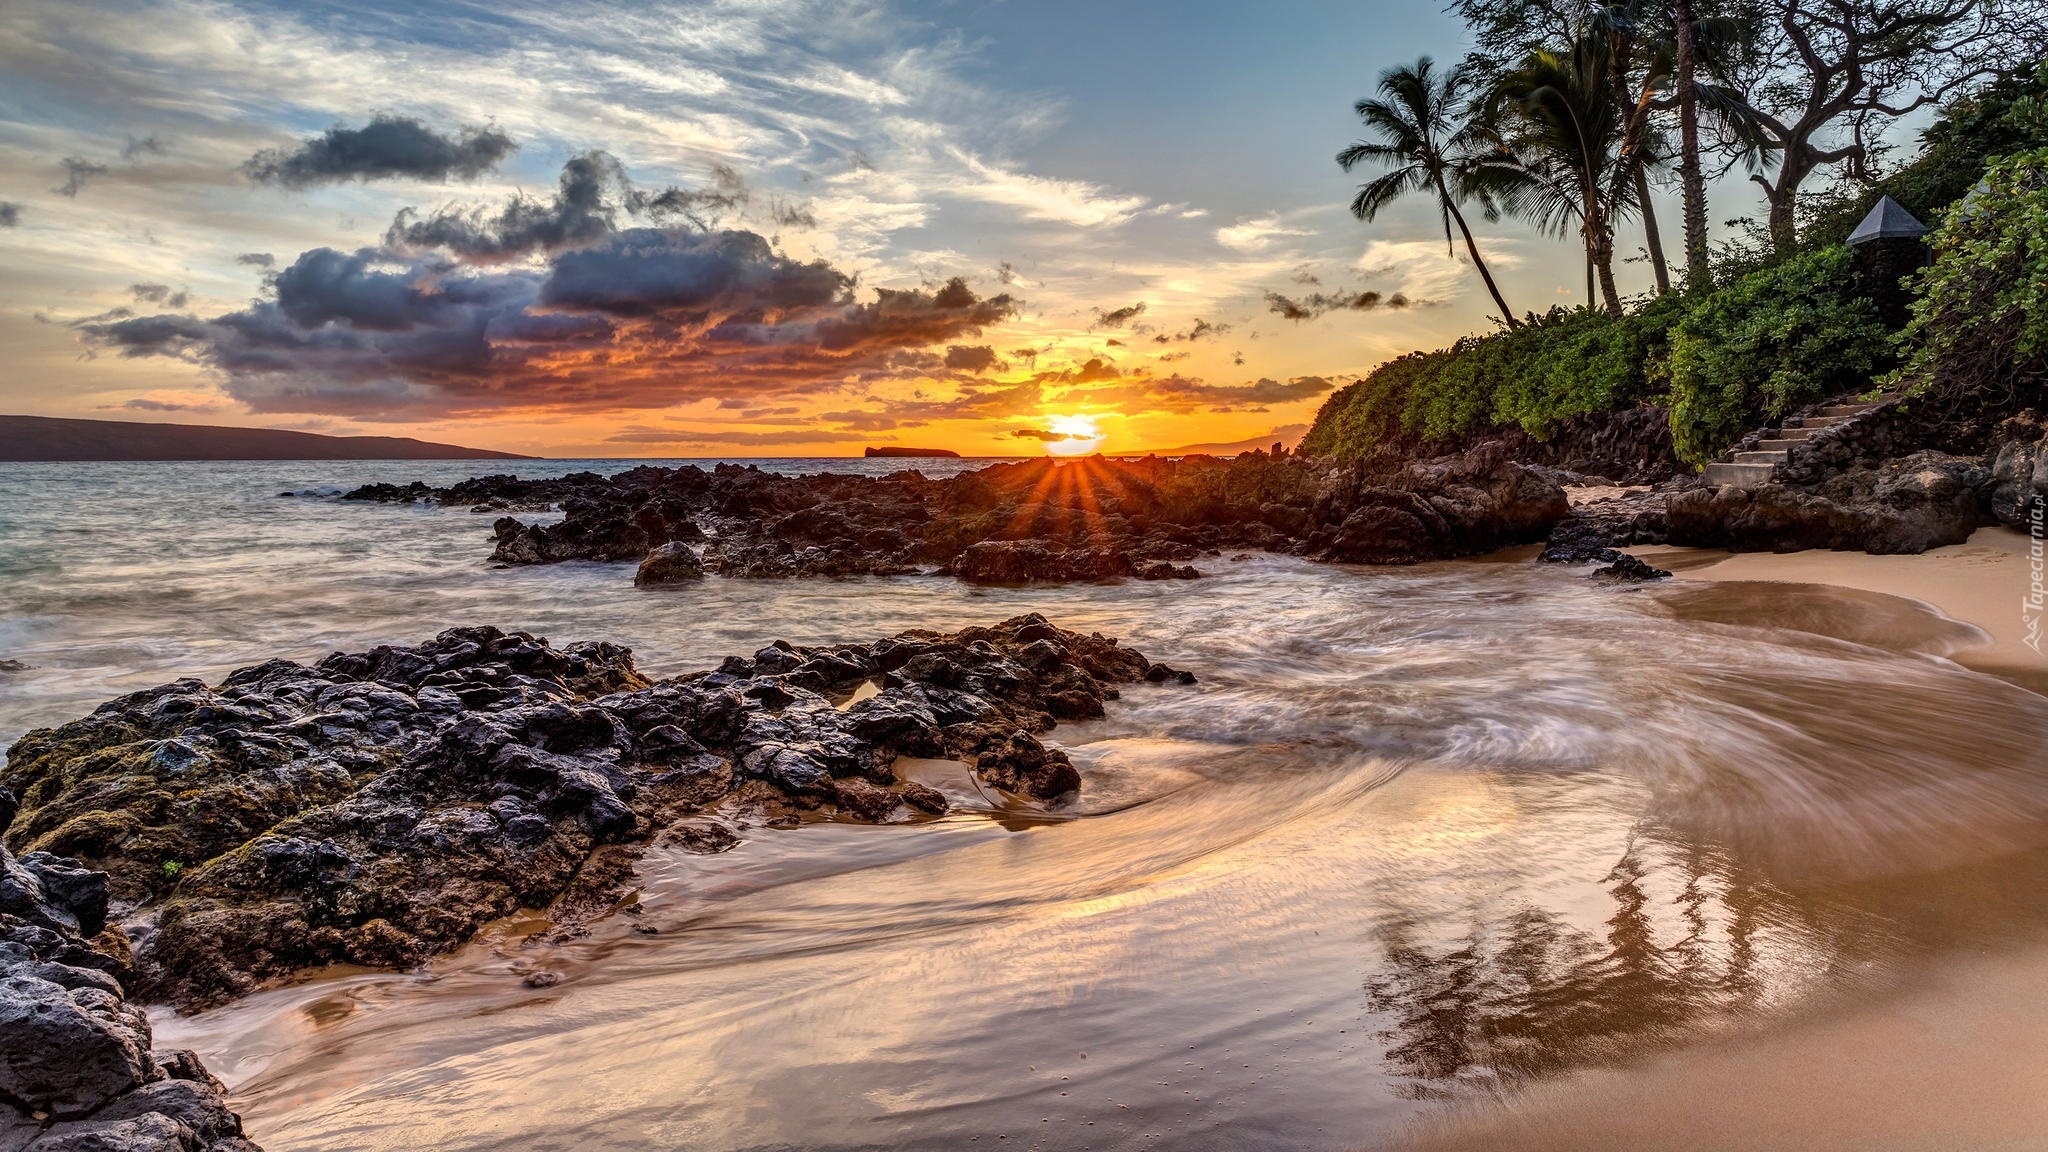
(1083, 435)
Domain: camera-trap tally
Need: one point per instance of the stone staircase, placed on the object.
(1758, 465)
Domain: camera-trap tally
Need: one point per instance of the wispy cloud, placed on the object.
(1257, 234)
(1074, 202)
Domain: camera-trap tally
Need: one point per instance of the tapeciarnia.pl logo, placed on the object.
(2037, 562)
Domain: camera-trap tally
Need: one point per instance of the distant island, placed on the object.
(45, 438)
(1286, 436)
(936, 453)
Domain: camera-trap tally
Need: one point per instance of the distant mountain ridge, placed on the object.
(50, 438)
(1287, 435)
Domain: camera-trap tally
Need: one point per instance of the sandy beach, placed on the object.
(1983, 582)
(1958, 1058)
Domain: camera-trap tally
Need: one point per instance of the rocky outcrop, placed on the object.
(1595, 529)
(77, 1066)
(1463, 505)
(1043, 520)
(668, 564)
(377, 808)
(1907, 505)
(2018, 493)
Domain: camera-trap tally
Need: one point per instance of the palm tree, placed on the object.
(1692, 184)
(1639, 58)
(1427, 150)
(1568, 143)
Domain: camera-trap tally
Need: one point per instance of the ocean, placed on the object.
(1419, 837)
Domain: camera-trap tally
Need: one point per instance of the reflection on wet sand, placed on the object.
(1420, 839)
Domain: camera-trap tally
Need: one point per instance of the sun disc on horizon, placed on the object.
(1083, 435)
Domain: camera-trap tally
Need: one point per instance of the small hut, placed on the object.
(1890, 243)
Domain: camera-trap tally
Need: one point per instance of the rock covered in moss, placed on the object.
(378, 808)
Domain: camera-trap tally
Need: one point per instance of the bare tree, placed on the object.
(1841, 70)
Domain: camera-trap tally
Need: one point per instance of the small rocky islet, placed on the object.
(191, 843)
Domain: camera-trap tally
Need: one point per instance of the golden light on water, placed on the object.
(1084, 435)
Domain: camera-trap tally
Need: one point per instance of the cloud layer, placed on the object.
(446, 323)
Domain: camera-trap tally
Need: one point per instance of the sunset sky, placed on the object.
(767, 228)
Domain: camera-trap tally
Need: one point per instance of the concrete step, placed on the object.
(1766, 456)
(1810, 422)
(1846, 409)
(1779, 446)
(1792, 434)
(1739, 475)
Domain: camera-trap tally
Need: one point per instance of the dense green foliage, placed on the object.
(1777, 331)
(1980, 322)
(1768, 343)
(1561, 365)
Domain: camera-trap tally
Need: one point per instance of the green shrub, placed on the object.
(1562, 365)
(1979, 329)
(1766, 344)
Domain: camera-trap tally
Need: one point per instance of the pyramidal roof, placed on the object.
(1888, 220)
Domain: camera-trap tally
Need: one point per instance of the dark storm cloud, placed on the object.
(388, 147)
(454, 315)
(78, 172)
(592, 195)
(10, 214)
(971, 358)
(637, 318)
(1117, 317)
(256, 259)
(649, 272)
(1314, 304)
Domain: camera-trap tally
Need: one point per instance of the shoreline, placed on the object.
(1982, 582)
(1950, 1058)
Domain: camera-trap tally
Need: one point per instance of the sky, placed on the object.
(762, 228)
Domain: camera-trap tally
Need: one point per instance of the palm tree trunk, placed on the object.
(1478, 262)
(1603, 261)
(1692, 183)
(1599, 236)
(1651, 237)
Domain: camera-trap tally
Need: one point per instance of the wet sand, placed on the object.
(1955, 1059)
(1982, 582)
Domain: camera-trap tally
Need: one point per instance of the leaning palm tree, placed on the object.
(1428, 150)
(1564, 136)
